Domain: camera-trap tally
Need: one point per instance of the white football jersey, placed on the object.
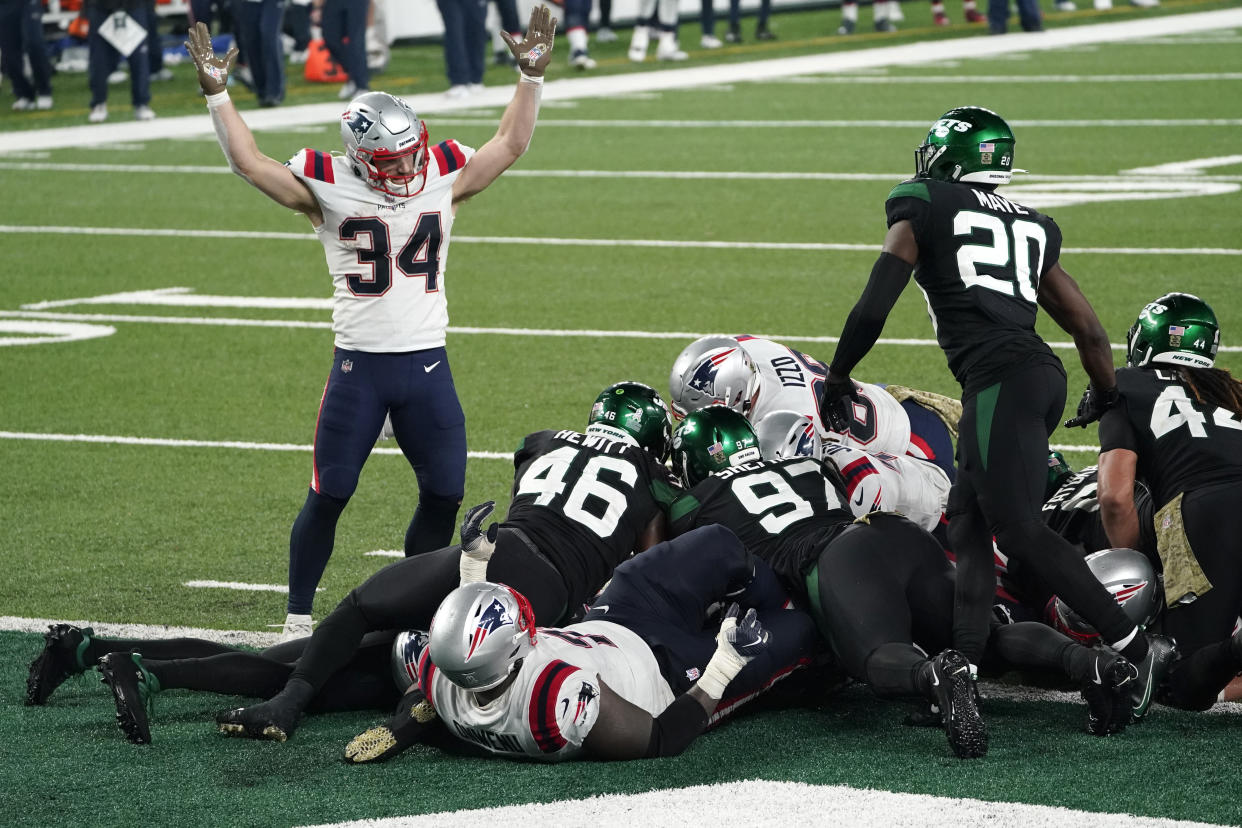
(386, 255)
(789, 380)
(547, 712)
(885, 482)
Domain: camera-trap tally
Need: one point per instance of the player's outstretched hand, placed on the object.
(1093, 405)
(534, 53)
(472, 527)
(746, 636)
(835, 403)
(213, 72)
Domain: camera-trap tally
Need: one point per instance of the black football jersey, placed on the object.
(583, 500)
(981, 259)
(784, 511)
(1181, 444)
(1073, 512)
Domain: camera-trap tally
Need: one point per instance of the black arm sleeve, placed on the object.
(674, 729)
(863, 326)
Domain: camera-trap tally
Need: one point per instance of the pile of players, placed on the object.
(773, 543)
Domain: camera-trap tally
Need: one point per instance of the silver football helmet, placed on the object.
(378, 127)
(721, 376)
(1129, 576)
(686, 362)
(407, 648)
(480, 633)
(784, 434)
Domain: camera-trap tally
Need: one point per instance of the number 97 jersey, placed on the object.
(981, 259)
(386, 255)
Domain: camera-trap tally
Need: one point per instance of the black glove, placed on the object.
(748, 638)
(1093, 405)
(835, 405)
(472, 525)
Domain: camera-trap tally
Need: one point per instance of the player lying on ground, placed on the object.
(640, 677)
(582, 503)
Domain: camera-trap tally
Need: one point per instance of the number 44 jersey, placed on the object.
(981, 259)
(386, 255)
(1181, 444)
(584, 501)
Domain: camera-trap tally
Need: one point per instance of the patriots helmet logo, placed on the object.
(490, 620)
(358, 124)
(704, 378)
(1127, 591)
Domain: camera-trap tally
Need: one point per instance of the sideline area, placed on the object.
(564, 89)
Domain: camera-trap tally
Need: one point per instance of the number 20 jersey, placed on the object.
(1181, 444)
(386, 255)
(584, 501)
(981, 259)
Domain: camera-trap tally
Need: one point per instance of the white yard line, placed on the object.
(185, 233)
(984, 79)
(563, 89)
(1145, 175)
(239, 586)
(241, 445)
(755, 802)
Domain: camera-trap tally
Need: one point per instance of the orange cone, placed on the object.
(320, 67)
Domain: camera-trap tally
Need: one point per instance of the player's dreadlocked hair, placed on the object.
(1213, 386)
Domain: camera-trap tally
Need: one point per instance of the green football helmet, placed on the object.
(970, 144)
(1176, 329)
(633, 413)
(710, 440)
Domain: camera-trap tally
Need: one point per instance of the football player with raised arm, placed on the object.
(1178, 428)
(582, 502)
(985, 264)
(640, 677)
(384, 213)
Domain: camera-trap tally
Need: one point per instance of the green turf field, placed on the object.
(110, 530)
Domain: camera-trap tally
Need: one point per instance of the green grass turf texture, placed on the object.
(75, 768)
(109, 532)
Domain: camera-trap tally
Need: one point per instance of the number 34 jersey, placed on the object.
(1181, 444)
(386, 255)
(550, 708)
(584, 501)
(981, 259)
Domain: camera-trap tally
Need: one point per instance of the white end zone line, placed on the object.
(563, 89)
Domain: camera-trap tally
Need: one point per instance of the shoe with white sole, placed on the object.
(144, 113)
(99, 114)
(710, 42)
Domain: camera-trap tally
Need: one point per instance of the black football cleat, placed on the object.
(63, 645)
(409, 724)
(953, 691)
(1108, 694)
(1161, 653)
(274, 720)
(132, 689)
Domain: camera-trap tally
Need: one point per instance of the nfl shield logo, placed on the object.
(347, 365)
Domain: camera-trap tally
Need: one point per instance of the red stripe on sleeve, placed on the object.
(441, 161)
(458, 155)
(542, 713)
(308, 169)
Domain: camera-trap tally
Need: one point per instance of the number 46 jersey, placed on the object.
(584, 501)
(386, 255)
(981, 259)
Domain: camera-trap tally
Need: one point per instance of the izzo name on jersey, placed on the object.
(1001, 205)
(593, 441)
(495, 741)
(789, 372)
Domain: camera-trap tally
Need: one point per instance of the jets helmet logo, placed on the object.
(490, 620)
